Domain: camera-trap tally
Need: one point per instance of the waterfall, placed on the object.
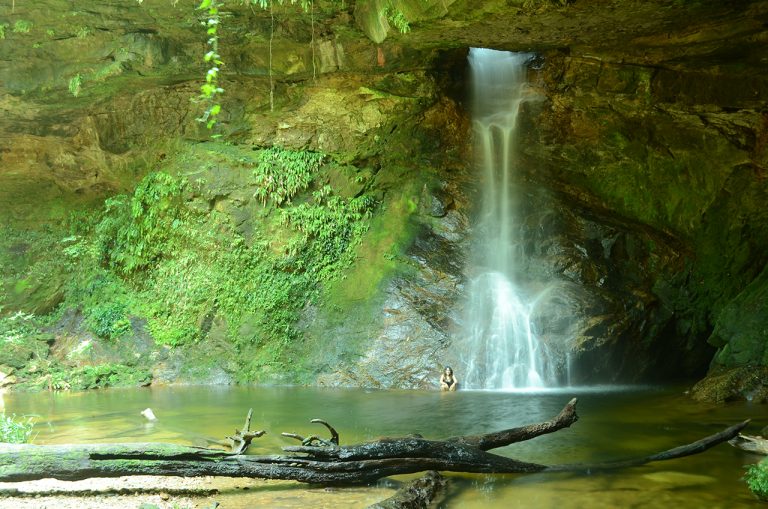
(499, 347)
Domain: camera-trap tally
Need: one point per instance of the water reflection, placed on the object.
(613, 425)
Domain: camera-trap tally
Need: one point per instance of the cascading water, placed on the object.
(500, 349)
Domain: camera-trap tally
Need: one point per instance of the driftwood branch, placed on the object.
(315, 441)
(316, 461)
(241, 440)
(678, 452)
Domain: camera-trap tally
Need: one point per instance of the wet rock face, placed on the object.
(644, 164)
(741, 328)
(405, 334)
(645, 159)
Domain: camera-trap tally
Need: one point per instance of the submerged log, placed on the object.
(326, 463)
(750, 443)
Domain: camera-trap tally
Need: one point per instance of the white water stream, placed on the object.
(500, 348)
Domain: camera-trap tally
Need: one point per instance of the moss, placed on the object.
(645, 168)
(351, 305)
(744, 383)
(32, 273)
(377, 257)
(96, 377)
(741, 328)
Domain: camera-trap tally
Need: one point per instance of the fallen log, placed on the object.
(316, 460)
(750, 443)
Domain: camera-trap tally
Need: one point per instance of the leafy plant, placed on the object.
(397, 19)
(138, 230)
(83, 32)
(328, 230)
(109, 375)
(75, 84)
(77, 248)
(210, 90)
(109, 320)
(15, 430)
(97, 377)
(3, 26)
(280, 174)
(17, 327)
(757, 479)
(22, 26)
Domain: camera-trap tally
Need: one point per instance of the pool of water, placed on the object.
(614, 423)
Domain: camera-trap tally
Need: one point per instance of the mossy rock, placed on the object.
(742, 327)
(106, 375)
(18, 355)
(744, 383)
(15, 355)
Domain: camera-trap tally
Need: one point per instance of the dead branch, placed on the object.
(316, 460)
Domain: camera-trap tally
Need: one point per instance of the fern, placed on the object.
(139, 229)
(280, 173)
(757, 480)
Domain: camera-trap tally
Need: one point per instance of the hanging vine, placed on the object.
(312, 42)
(271, 78)
(210, 90)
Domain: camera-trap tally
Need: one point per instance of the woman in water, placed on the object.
(448, 381)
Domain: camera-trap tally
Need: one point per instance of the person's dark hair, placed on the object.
(447, 368)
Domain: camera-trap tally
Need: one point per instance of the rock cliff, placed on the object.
(644, 161)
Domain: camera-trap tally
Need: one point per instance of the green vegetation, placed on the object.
(75, 84)
(328, 228)
(83, 32)
(757, 479)
(3, 26)
(109, 320)
(137, 231)
(165, 260)
(22, 26)
(210, 90)
(15, 430)
(98, 377)
(16, 327)
(280, 174)
(397, 19)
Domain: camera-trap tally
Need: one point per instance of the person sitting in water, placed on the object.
(448, 381)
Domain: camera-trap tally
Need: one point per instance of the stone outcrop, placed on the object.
(645, 160)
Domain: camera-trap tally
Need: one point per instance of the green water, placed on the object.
(613, 424)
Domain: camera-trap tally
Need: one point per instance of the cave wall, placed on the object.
(644, 155)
